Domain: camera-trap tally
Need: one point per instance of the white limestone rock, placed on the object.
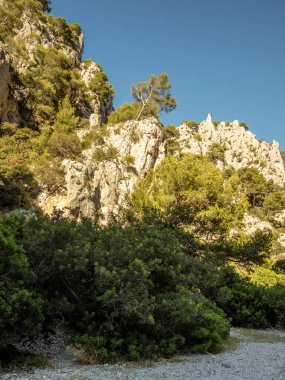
(98, 190)
(241, 147)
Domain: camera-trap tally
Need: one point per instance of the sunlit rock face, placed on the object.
(242, 149)
(35, 32)
(98, 190)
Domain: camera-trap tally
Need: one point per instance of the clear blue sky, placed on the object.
(225, 57)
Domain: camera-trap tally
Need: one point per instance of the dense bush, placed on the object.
(20, 306)
(104, 93)
(279, 266)
(140, 290)
(193, 191)
(216, 152)
(191, 124)
(109, 153)
(172, 144)
(245, 304)
(127, 111)
(122, 289)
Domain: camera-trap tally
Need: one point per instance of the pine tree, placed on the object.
(66, 121)
(154, 95)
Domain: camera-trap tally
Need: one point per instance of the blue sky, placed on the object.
(225, 57)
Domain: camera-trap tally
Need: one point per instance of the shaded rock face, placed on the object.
(98, 190)
(242, 149)
(8, 106)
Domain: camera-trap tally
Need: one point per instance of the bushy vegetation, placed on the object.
(127, 111)
(109, 153)
(216, 152)
(172, 144)
(191, 124)
(136, 290)
(171, 276)
(244, 125)
(11, 12)
(104, 93)
(192, 190)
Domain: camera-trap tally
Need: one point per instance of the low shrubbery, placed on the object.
(127, 111)
(126, 291)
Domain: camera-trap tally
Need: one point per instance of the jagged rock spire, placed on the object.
(209, 118)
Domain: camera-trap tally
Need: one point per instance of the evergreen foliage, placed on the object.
(127, 111)
(216, 152)
(191, 190)
(154, 96)
(174, 273)
(132, 291)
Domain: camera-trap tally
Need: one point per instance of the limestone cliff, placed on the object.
(96, 188)
(96, 183)
(241, 148)
(30, 33)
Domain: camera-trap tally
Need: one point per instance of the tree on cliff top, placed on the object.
(154, 95)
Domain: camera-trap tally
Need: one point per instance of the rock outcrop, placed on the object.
(36, 30)
(97, 183)
(8, 106)
(241, 148)
(98, 190)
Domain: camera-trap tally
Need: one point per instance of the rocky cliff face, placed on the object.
(98, 190)
(97, 183)
(8, 105)
(34, 30)
(241, 148)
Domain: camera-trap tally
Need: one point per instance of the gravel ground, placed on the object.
(250, 354)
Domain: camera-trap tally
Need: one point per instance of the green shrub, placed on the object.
(127, 111)
(48, 172)
(128, 274)
(8, 129)
(244, 303)
(104, 92)
(279, 266)
(20, 307)
(172, 134)
(129, 160)
(64, 145)
(69, 33)
(191, 124)
(11, 195)
(216, 152)
(244, 125)
(197, 137)
(96, 137)
(106, 154)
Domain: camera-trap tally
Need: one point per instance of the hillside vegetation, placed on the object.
(175, 267)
